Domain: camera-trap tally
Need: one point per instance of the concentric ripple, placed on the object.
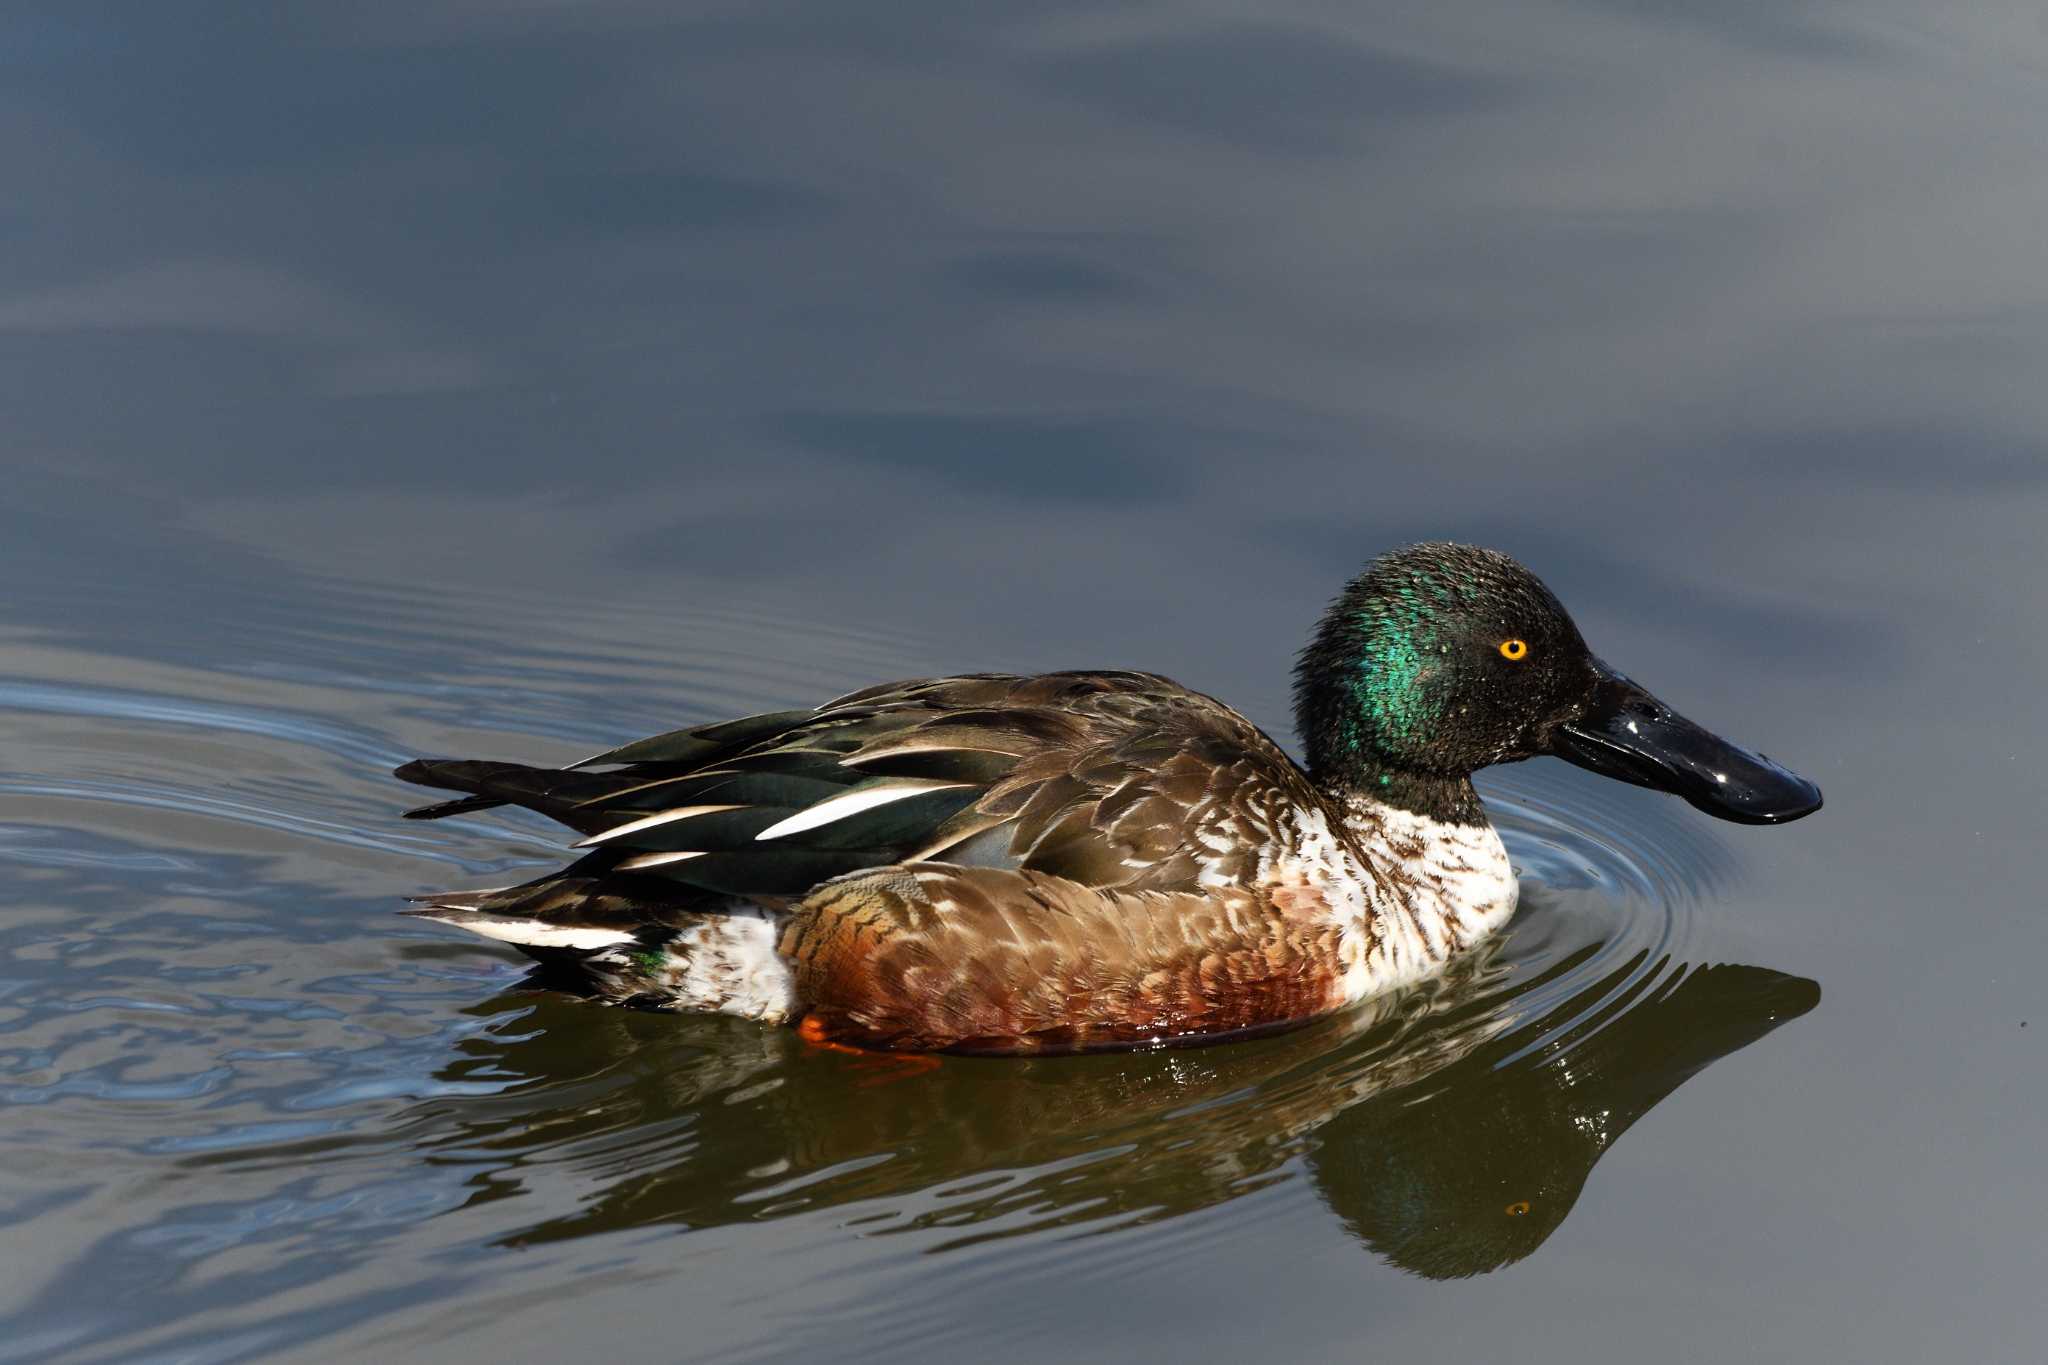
(202, 987)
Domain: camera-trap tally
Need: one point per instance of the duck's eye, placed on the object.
(1520, 1206)
(1514, 650)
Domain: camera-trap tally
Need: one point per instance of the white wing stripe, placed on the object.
(649, 822)
(634, 864)
(914, 746)
(853, 803)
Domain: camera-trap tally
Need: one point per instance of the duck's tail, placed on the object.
(555, 914)
(551, 791)
(628, 945)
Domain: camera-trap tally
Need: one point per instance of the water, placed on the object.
(512, 380)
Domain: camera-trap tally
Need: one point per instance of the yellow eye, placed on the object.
(1518, 1208)
(1513, 650)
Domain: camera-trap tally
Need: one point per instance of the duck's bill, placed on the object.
(1627, 734)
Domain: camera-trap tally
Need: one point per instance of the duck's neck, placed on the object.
(1436, 878)
(1358, 769)
(1430, 796)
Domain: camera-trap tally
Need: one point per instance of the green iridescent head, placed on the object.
(1438, 659)
(1441, 659)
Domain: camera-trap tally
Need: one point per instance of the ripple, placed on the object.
(298, 740)
(202, 977)
(16, 695)
(1619, 874)
(757, 1128)
(109, 1083)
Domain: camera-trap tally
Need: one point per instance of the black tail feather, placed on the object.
(453, 775)
(554, 792)
(462, 807)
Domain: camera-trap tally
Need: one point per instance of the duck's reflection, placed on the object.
(1450, 1129)
(1475, 1166)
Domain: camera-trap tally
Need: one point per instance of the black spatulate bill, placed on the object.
(1627, 734)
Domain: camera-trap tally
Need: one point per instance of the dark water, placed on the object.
(516, 378)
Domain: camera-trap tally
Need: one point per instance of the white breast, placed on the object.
(1457, 877)
(1426, 891)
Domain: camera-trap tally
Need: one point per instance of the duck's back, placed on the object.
(1111, 780)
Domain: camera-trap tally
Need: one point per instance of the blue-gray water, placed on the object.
(516, 378)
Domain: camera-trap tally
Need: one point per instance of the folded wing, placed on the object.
(1113, 780)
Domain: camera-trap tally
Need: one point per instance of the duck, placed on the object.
(1085, 861)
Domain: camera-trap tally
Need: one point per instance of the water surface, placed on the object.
(515, 379)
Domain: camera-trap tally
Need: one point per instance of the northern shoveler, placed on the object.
(1077, 861)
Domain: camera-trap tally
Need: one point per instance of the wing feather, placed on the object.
(1115, 780)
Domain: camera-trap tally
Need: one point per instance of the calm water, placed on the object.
(516, 378)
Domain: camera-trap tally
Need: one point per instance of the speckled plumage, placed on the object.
(1153, 868)
(1060, 862)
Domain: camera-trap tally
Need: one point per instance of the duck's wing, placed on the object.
(1113, 780)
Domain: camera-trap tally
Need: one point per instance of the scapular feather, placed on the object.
(699, 743)
(984, 845)
(795, 761)
(910, 821)
(946, 765)
(710, 830)
(767, 869)
(728, 786)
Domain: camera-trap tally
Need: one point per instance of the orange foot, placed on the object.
(882, 1066)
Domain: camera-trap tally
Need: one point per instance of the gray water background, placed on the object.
(515, 378)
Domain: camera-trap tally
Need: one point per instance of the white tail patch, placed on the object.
(731, 963)
(639, 861)
(853, 803)
(533, 933)
(649, 822)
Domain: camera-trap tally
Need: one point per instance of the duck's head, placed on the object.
(1441, 659)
